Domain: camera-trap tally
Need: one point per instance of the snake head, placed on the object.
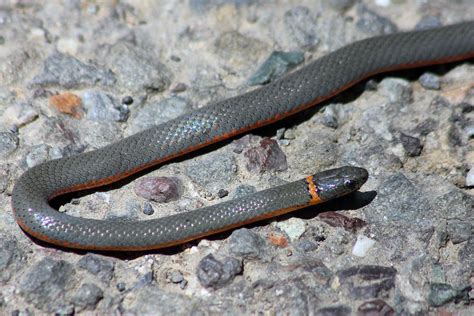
(338, 182)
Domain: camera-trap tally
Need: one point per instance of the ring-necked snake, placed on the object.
(310, 85)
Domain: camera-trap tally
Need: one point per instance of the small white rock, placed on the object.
(293, 228)
(362, 246)
(383, 3)
(470, 178)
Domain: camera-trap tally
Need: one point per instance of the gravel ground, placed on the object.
(77, 75)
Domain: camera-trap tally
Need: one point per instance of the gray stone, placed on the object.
(87, 296)
(8, 144)
(4, 177)
(340, 310)
(68, 72)
(375, 308)
(37, 155)
(19, 114)
(201, 6)
(301, 27)
(239, 51)
(459, 231)
(137, 69)
(440, 294)
(412, 145)
(46, 283)
(100, 106)
(212, 172)
(99, 266)
(151, 300)
(428, 22)
(275, 66)
(158, 112)
(372, 23)
(148, 209)
(215, 274)
(243, 190)
(12, 258)
(398, 199)
(397, 90)
(341, 5)
(245, 243)
(430, 81)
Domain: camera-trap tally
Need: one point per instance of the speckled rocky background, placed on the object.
(76, 75)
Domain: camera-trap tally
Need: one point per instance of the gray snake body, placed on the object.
(316, 82)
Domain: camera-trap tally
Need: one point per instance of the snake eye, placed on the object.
(349, 183)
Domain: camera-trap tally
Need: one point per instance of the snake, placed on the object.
(308, 86)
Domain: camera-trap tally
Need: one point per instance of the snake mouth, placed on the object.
(340, 181)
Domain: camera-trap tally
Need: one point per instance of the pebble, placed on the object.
(440, 294)
(469, 131)
(268, 156)
(45, 283)
(67, 103)
(8, 143)
(240, 52)
(294, 228)
(428, 22)
(175, 277)
(339, 310)
(367, 281)
(100, 106)
(150, 299)
(243, 190)
(148, 209)
(121, 286)
(4, 177)
(12, 258)
(222, 193)
(37, 155)
(275, 66)
(137, 69)
(459, 231)
(397, 90)
(338, 220)
(341, 5)
(212, 172)
(470, 178)
(362, 246)
(179, 87)
(430, 81)
(127, 100)
(87, 296)
(375, 308)
(215, 274)
(330, 117)
(301, 27)
(99, 266)
(306, 245)
(68, 72)
(156, 113)
(372, 23)
(158, 189)
(246, 244)
(406, 202)
(412, 145)
(19, 114)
